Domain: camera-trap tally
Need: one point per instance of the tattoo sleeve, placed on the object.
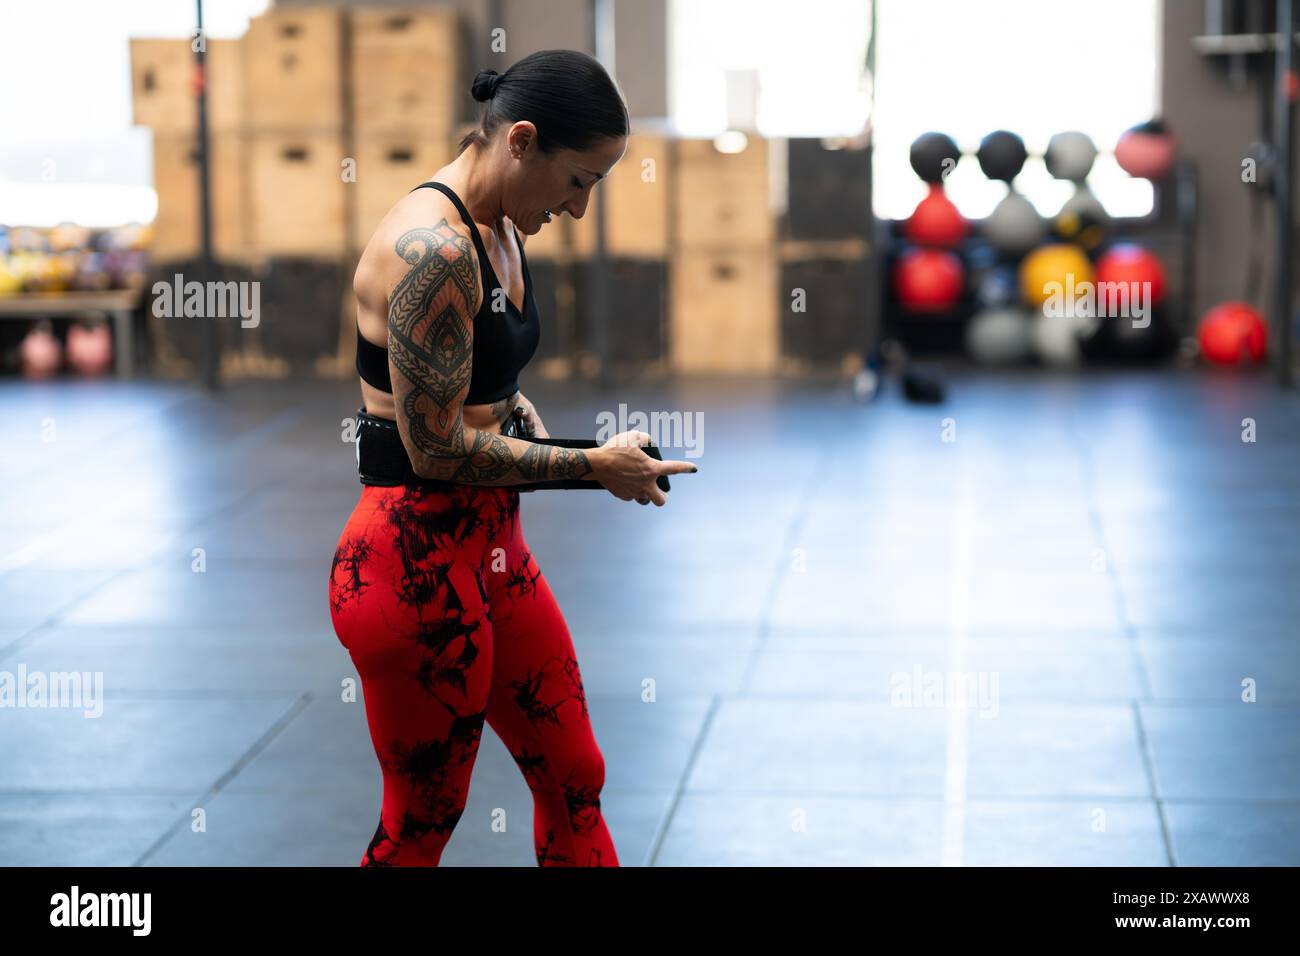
(430, 357)
(502, 410)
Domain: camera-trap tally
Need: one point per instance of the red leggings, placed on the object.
(449, 622)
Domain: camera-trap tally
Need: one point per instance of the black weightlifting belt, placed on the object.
(382, 458)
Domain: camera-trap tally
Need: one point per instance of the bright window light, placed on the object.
(809, 57)
(69, 151)
(1034, 67)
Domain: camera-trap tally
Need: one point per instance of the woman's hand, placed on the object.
(630, 474)
(533, 426)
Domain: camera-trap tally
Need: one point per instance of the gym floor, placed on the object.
(1109, 560)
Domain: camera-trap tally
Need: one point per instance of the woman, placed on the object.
(433, 591)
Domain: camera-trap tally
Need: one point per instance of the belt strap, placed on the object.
(382, 459)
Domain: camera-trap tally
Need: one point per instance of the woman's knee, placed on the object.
(581, 787)
(410, 841)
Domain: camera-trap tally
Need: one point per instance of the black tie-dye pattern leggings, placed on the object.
(449, 622)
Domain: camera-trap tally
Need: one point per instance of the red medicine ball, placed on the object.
(1131, 265)
(936, 221)
(1233, 332)
(928, 280)
(1147, 152)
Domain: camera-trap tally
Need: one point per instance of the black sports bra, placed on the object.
(503, 341)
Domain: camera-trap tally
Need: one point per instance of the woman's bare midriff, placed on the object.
(487, 418)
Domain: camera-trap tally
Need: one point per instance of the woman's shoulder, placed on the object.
(418, 228)
(417, 240)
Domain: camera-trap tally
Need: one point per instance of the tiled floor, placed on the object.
(1109, 563)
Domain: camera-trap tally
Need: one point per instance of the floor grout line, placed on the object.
(1148, 767)
(298, 706)
(779, 570)
(1080, 446)
(661, 831)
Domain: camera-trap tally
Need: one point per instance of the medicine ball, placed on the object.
(1129, 265)
(1001, 155)
(1060, 264)
(1082, 220)
(1151, 338)
(1146, 151)
(1000, 336)
(933, 156)
(1233, 333)
(1014, 226)
(928, 280)
(1056, 339)
(1082, 223)
(936, 221)
(1130, 339)
(1070, 156)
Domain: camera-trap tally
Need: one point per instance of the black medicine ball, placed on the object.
(1002, 155)
(934, 155)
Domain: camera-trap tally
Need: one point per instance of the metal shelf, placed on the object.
(1235, 44)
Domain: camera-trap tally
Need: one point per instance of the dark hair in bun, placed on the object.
(567, 95)
(485, 85)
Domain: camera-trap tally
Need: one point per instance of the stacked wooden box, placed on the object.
(162, 80)
(404, 69)
(315, 118)
(691, 246)
(637, 201)
(636, 197)
(828, 287)
(319, 121)
(723, 266)
(295, 120)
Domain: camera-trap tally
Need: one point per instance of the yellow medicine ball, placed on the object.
(1058, 263)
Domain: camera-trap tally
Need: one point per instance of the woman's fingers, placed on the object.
(630, 438)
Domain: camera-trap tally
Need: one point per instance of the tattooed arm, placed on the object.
(430, 353)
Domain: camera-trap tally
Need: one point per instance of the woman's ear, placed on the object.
(521, 139)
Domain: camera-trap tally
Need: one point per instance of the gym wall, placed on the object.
(1214, 120)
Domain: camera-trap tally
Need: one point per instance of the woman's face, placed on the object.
(541, 185)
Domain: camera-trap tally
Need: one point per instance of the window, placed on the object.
(963, 67)
(808, 57)
(69, 151)
(1035, 67)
